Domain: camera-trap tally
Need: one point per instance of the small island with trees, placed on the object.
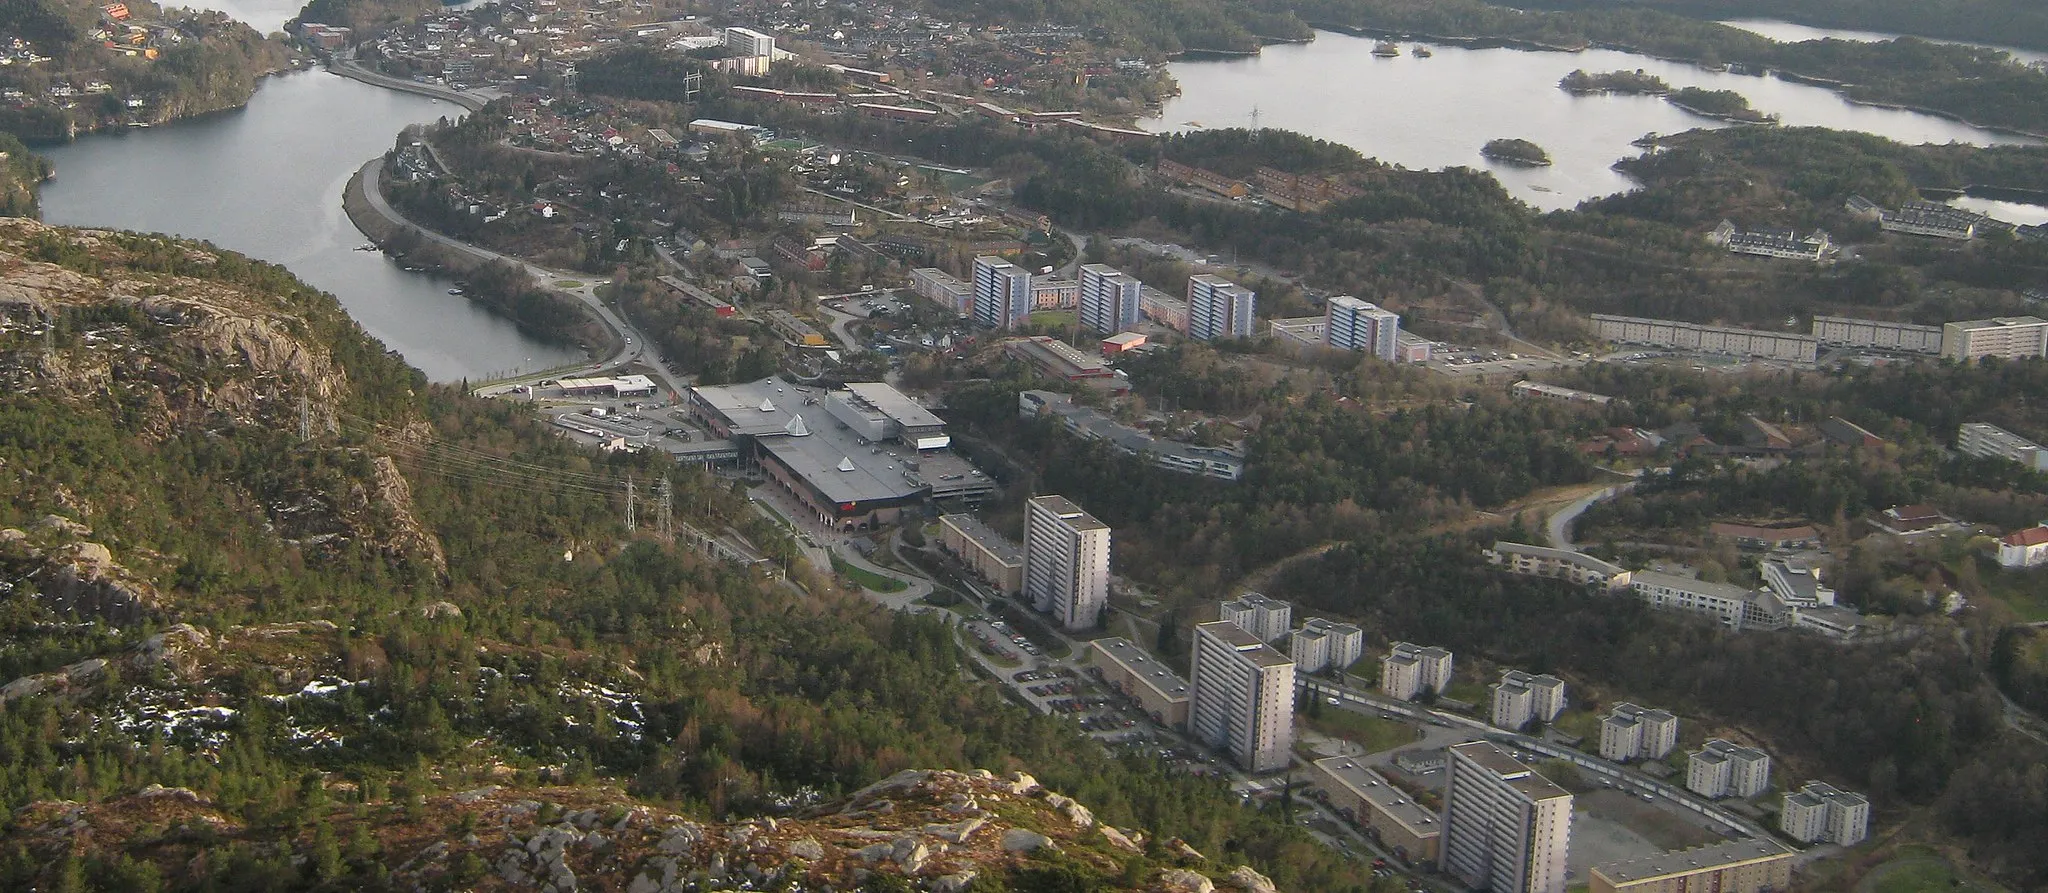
(1517, 152)
(1637, 81)
(1726, 105)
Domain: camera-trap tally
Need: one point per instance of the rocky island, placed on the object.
(1639, 82)
(1517, 152)
(1726, 105)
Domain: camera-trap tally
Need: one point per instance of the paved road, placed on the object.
(631, 345)
(1559, 529)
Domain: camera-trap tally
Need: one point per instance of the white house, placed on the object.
(2025, 548)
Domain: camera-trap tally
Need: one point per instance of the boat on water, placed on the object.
(1386, 49)
(1421, 52)
(1193, 123)
(455, 291)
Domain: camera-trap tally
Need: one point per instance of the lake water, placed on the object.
(1786, 32)
(267, 181)
(1438, 112)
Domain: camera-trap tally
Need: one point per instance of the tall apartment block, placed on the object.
(2010, 337)
(1520, 697)
(1629, 732)
(1352, 324)
(1724, 769)
(1409, 670)
(1002, 293)
(1823, 812)
(1505, 828)
(1267, 618)
(1109, 299)
(749, 42)
(1325, 644)
(1066, 561)
(1218, 308)
(1241, 697)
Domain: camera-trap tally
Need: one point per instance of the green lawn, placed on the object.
(1370, 732)
(1919, 869)
(867, 579)
(568, 283)
(1053, 319)
(2025, 592)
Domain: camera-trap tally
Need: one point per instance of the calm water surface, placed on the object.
(1437, 112)
(267, 181)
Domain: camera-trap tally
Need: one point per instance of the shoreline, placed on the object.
(356, 72)
(1839, 88)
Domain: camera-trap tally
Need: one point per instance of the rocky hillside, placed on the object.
(276, 614)
(918, 829)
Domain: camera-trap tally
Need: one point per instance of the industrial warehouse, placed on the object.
(859, 457)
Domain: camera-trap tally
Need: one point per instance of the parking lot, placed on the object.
(1457, 361)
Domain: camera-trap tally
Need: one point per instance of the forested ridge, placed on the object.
(307, 642)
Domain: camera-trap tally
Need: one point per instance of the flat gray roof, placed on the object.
(1246, 644)
(1144, 667)
(1695, 859)
(1373, 787)
(1491, 758)
(1691, 584)
(997, 544)
(1074, 515)
(873, 471)
(895, 404)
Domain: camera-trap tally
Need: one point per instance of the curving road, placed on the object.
(631, 346)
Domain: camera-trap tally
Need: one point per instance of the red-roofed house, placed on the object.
(1913, 520)
(2025, 548)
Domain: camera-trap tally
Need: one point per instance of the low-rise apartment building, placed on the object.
(2024, 548)
(1142, 678)
(1325, 645)
(991, 556)
(1993, 442)
(1409, 670)
(1629, 732)
(1735, 606)
(1821, 812)
(2008, 337)
(1088, 423)
(1742, 866)
(1519, 698)
(1560, 564)
(1725, 769)
(1267, 618)
(1366, 798)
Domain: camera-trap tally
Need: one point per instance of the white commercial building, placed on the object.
(1241, 697)
(1267, 618)
(1520, 697)
(1219, 308)
(2009, 337)
(1822, 812)
(1629, 732)
(1002, 293)
(1324, 644)
(1409, 670)
(1352, 324)
(1505, 828)
(1993, 442)
(1725, 769)
(1109, 299)
(1066, 562)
